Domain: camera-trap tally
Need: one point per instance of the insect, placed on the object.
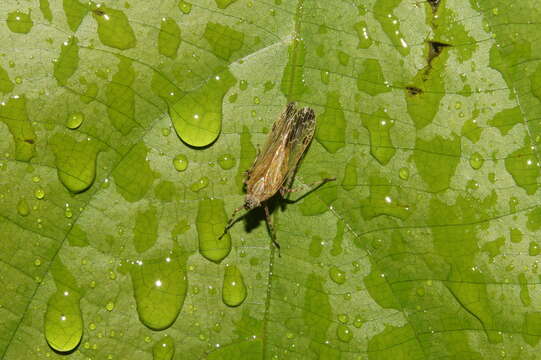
(274, 168)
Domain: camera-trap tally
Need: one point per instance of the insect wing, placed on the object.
(303, 128)
(276, 141)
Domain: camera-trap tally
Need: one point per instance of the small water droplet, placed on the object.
(256, 100)
(163, 349)
(180, 162)
(243, 85)
(185, 7)
(226, 161)
(39, 194)
(75, 120)
(23, 208)
(110, 306)
(200, 184)
(404, 173)
(344, 333)
(476, 161)
(337, 275)
(234, 290)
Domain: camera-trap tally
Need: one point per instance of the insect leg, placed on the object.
(313, 186)
(231, 221)
(271, 228)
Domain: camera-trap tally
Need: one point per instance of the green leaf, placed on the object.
(127, 131)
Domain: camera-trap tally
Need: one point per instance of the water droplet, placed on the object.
(37, 262)
(185, 7)
(358, 321)
(36, 179)
(404, 173)
(166, 131)
(243, 85)
(256, 100)
(23, 208)
(169, 38)
(39, 194)
(114, 29)
(534, 249)
(234, 290)
(110, 306)
(160, 287)
(63, 321)
(226, 161)
(344, 333)
(350, 180)
(197, 117)
(164, 349)
(200, 184)
(337, 275)
(75, 120)
(476, 161)
(343, 318)
(75, 161)
(180, 162)
(211, 221)
(19, 22)
(331, 129)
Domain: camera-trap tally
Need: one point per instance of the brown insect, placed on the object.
(274, 168)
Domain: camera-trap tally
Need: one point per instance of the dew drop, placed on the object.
(226, 161)
(234, 290)
(344, 333)
(210, 222)
(257, 101)
(75, 120)
(163, 349)
(337, 275)
(200, 184)
(159, 287)
(39, 194)
(63, 321)
(180, 162)
(243, 85)
(476, 161)
(185, 7)
(358, 321)
(23, 208)
(110, 306)
(404, 173)
(19, 22)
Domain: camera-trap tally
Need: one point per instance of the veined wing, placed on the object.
(276, 142)
(303, 129)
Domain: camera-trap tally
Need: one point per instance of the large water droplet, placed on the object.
(114, 29)
(19, 22)
(211, 221)
(331, 129)
(159, 287)
(197, 117)
(63, 321)
(164, 349)
(75, 161)
(234, 290)
(68, 61)
(169, 38)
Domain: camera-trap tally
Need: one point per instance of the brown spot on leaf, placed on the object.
(434, 49)
(434, 5)
(30, 141)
